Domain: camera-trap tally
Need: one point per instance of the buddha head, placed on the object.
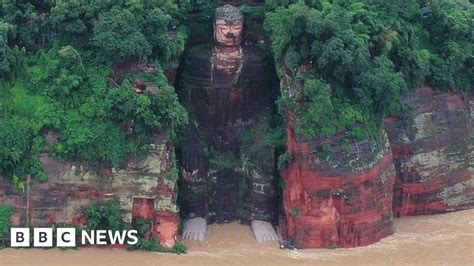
(228, 25)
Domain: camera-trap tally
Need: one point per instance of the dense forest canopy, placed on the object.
(59, 64)
(364, 54)
(69, 67)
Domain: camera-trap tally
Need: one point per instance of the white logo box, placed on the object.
(43, 237)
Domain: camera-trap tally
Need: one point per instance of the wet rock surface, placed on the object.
(433, 153)
(339, 200)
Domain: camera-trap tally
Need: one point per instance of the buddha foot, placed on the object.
(194, 229)
(263, 231)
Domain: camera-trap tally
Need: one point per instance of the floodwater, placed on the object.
(446, 239)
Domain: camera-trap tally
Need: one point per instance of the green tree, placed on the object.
(27, 21)
(7, 55)
(119, 36)
(21, 137)
(378, 89)
(317, 116)
(450, 25)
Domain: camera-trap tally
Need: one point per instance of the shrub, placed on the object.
(6, 212)
(105, 216)
(284, 161)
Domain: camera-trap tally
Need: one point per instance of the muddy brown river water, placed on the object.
(446, 239)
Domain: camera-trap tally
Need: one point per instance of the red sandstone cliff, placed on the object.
(145, 188)
(342, 199)
(433, 153)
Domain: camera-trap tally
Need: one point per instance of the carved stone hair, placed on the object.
(229, 13)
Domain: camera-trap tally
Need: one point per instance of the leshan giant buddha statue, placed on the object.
(227, 168)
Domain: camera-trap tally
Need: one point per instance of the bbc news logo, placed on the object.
(66, 237)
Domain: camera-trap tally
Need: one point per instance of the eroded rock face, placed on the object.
(340, 197)
(433, 153)
(146, 188)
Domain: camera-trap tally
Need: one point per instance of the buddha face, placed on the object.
(228, 32)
